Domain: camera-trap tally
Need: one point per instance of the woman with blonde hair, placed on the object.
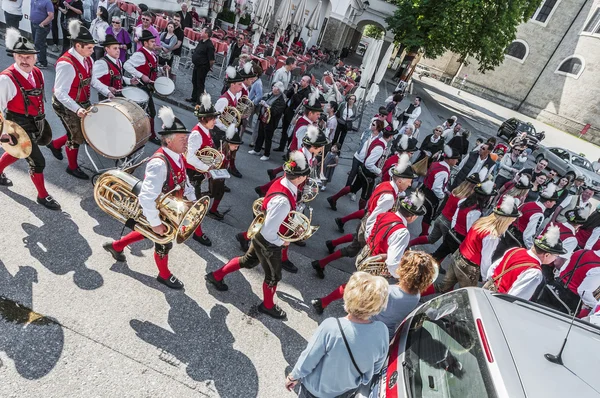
(345, 353)
(474, 255)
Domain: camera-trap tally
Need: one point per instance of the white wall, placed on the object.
(24, 25)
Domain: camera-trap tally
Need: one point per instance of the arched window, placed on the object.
(517, 50)
(544, 12)
(571, 66)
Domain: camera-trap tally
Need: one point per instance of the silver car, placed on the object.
(474, 343)
(569, 163)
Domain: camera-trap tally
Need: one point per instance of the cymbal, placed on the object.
(22, 149)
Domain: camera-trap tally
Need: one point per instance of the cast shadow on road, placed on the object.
(57, 244)
(32, 341)
(200, 341)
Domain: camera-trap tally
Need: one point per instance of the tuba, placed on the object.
(210, 157)
(114, 194)
(230, 115)
(297, 224)
(245, 107)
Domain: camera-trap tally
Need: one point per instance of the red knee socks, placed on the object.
(421, 240)
(265, 188)
(162, 263)
(343, 239)
(278, 170)
(215, 204)
(198, 232)
(332, 257)
(429, 290)
(284, 254)
(342, 192)
(245, 235)
(268, 295)
(132, 237)
(6, 160)
(72, 157)
(152, 133)
(357, 215)
(337, 294)
(38, 181)
(232, 266)
(362, 204)
(424, 228)
(59, 142)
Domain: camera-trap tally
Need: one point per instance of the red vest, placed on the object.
(519, 256)
(385, 172)
(385, 225)
(471, 247)
(148, 68)
(528, 209)
(461, 220)
(231, 100)
(80, 87)
(381, 189)
(277, 188)
(450, 207)
(206, 141)
(583, 235)
(565, 232)
(374, 144)
(114, 77)
(435, 168)
(581, 262)
(35, 103)
(245, 91)
(177, 175)
(302, 121)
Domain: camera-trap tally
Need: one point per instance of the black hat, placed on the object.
(205, 108)
(296, 164)
(577, 216)
(406, 144)
(414, 203)
(477, 178)
(486, 188)
(509, 207)
(144, 34)
(232, 75)
(524, 182)
(549, 193)
(403, 168)
(232, 136)
(79, 33)
(247, 71)
(17, 44)
(579, 178)
(312, 103)
(106, 40)
(171, 124)
(451, 153)
(549, 241)
(314, 137)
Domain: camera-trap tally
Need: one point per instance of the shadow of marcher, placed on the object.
(199, 340)
(32, 341)
(58, 245)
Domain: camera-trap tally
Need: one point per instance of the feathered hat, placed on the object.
(106, 40)
(170, 124)
(296, 164)
(549, 241)
(144, 34)
(577, 216)
(79, 33)
(232, 135)
(406, 144)
(451, 153)
(486, 188)
(205, 108)
(524, 182)
(403, 168)
(480, 177)
(414, 203)
(17, 44)
(312, 103)
(247, 71)
(549, 193)
(232, 75)
(314, 137)
(508, 207)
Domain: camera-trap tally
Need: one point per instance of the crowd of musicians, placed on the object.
(522, 231)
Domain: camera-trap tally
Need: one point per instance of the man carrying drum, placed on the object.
(22, 95)
(72, 94)
(108, 70)
(143, 66)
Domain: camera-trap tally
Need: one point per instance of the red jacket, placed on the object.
(579, 265)
(276, 189)
(528, 209)
(177, 175)
(385, 225)
(435, 168)
(381, 189)
(114, 77)
(301, 122)
(514, 256)
(148, 68)
(472, 246)
(450, 207)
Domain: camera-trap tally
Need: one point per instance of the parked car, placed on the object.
(422, 71)
(474, 343)
(513, 126)
(569, 163)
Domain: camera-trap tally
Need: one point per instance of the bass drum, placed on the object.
(119, 128)
(136, 95)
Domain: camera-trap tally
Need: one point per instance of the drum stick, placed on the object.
(91, 109)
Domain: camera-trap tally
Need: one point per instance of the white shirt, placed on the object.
(65, 74)
(220, 106)
(448, 134)
(12, 7)
(347, 113)
(100, 69)
(439, 183)
(277, 210)
(374, 156)
(310, 158)
(8, 90)
(331, 126)
(415, 133)
(301, 132)
(569, 244)
(488, 247)
(414, 115)
(589, 284)
(360, 156)
(476, 167)
(570, 203)
(527, 281)
(137, 59)
(592, 239)
(283, 76)
(154, 179)
(384, 204)
(195, 142)
(472, 216)
(535, 221)
(397, 244)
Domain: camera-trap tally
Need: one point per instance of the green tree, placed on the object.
(373, 31)
(471, 28)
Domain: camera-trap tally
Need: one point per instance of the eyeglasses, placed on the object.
(438, 130)
(117, 22)
(146, 19)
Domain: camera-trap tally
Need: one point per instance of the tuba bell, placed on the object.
(297, 224)
(210, 157)
(245, 107)
(114, 194)
(230, 115)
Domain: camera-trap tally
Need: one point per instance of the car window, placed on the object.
(443, 352)
(581, 162)
(528, 128)
(561, 153)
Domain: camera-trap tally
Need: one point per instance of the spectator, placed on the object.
(331, 161)
(473, 163)
(449, 123)
(284, 74)
(169, 41)
(538, 169)
(509, 166)
(432, 144)
(331, 125)
(236, 49)
(537, 188)
(346, 115)
(450, 132)
(41, 16)
(203, 60)
(275, 101)
(295, 96)
(325, 367)
(98, 30)
(55, 22)
(122, 36)
(393, 103)
(70, 10)
(195, 17)
(146, 24)
(413, 112)
(13, 12)
(186, 17)
(113, 10)
(255, 95)
(460, 142)
(180, 35)
(578, 185)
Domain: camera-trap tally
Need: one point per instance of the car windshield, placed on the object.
(581, 162)
(528, 128)
(443, 356)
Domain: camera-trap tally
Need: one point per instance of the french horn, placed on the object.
(210, 157)
(297, 224)
(310, 190)
(114, 194)
(245, 107)
(230, 115)
(374, 265)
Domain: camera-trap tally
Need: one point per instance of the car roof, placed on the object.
(529, 331)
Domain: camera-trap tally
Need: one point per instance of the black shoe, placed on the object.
(219, 285)
(190, 100)
(118, 256)
(332, 203)
(317, 267)
(271, 174)
(274, 312)
(244, 244)
(235, 173)
(4, 180)
(340, 224)
(330, 246)
(317, 305)
(78, 173)
(49, 203)
(251, 145)
(155, 141)
(300, 243)
(441, 271)
(226, 188)
(259, 192)
(204, 240)
(289, 266)
(171, 282)
(57, 153)
(216, 215)
(279, 149)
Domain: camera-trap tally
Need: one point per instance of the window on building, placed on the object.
(572, 66)
(518, 50)
(593, 25)
(543, 13)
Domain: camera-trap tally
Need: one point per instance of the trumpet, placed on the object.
(245, 107)
(210, 157)
(230, 115)
(297, 224)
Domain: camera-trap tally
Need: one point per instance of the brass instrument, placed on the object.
(374, 265)
(23, 146)
(297, 224)
(210, 157)
(230, 115)
(265, 114)
(257, 206)
(245, 107)
(310, 190)
(114, 194)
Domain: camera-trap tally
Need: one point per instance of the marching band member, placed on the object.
(588, 233)
(248, 72)
(108, 70)
(388, 237)
(404, 146)
(568, 229)
(72, 94)
(474, 255)
(266, 245)
(22, 95)
(143, 65)
(165, 170)
(518, 271)
(383, 199)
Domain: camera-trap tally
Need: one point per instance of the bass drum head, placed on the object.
(164, 86)
(135, 94)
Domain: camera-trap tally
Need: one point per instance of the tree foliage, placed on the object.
(471, 28)
(373, 31)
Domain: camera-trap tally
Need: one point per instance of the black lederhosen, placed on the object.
(431, 204)
(450, 243)
(71, 122)
(367, 182)
(196, 179)
(36, 160)
(268, 255)
(511, 238)
(358, 242)
(150, 109)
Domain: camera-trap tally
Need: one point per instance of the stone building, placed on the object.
(550, 72)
